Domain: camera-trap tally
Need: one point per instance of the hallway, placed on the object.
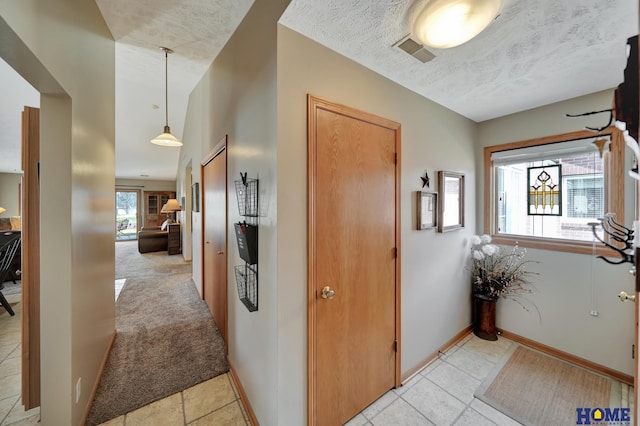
(166, 342)
(441, 394)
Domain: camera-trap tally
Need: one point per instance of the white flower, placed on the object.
(486, 239)
(475, 240)
(478, 255)
(490, 249)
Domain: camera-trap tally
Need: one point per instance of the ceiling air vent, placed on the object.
(415, 49)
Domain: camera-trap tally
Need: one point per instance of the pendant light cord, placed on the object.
(166, 138)
(166, 84)
(166, 87)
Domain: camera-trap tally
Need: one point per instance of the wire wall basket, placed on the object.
(247, 283)
(247, 194)
(247, 239)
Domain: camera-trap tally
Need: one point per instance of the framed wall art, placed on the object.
(451, 207)
(427, 213)
(195, 197)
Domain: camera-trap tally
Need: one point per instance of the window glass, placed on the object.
(543, 193)
(581, 202)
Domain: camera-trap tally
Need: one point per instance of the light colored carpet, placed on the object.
(130, 263)
(166, 338)
(536, 389)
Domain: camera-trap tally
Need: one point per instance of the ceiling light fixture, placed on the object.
(166, 138)
(448, 23)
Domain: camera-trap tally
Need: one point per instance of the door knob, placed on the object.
(220, 252)
(327, 293)
(624, 296)
(208, 242)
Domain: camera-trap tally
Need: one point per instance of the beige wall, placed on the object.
(9, 199)
(237, 96)
(435, 285)
(564, 286)
(64, 49)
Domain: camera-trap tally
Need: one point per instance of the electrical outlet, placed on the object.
(78, 389)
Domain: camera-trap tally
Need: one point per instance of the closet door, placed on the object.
(214, 259)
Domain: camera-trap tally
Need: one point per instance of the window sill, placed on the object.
(569, 246)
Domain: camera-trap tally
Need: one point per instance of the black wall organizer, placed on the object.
(247, 239)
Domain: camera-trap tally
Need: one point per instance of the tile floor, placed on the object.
(11, 409)
(442, 393)
(214, 402)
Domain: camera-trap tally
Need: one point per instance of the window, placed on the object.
(545, 192)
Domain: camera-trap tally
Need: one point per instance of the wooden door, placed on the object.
(30, 211)
(353, 260)
(214, 259)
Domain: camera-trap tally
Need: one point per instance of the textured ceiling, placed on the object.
(537, 52)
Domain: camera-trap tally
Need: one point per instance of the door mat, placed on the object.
(536, 389)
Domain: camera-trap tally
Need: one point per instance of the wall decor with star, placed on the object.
(427, 206)
(425, 180)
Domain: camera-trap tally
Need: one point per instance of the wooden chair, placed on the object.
(7, 253)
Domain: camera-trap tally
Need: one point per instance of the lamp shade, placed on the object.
(171, 206)
(2, 210)
(166, 138)
(448, 23)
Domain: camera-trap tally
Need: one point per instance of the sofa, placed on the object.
(153, 238)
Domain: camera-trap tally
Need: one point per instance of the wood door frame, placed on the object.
(220, 147)
(314, 104)
(30, 258)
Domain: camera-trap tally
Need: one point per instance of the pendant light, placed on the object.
(447, 23)
(166, 138)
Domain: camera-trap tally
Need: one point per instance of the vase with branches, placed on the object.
(497, 273)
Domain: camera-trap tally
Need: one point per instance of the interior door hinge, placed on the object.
(395, 346)
(633, 351)
(395, 159)
(395, 252)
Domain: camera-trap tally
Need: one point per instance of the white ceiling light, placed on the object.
(448, 23)
(166, 138)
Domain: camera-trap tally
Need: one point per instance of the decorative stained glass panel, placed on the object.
(544, 191)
